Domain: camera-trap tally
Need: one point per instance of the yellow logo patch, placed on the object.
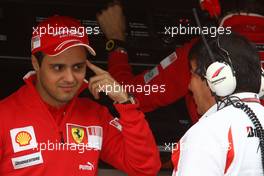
(77, 134)
(23, 138)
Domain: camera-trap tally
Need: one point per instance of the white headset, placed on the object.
(220, 75)
(261, 91)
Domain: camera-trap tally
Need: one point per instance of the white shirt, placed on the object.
(221, 143)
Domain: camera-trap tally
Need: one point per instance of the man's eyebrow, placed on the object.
(80, 63)
(61, 64)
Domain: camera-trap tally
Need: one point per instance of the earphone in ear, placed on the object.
(220, 79)
(220, 75)
(261, 91)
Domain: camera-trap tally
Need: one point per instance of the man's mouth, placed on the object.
(67, 88)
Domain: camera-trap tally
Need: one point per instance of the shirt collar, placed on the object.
(210, 111)
(245, 96)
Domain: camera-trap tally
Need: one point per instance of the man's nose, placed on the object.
(69, 75)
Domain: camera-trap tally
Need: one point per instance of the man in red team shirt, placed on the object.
(46, 129)
(173, 71)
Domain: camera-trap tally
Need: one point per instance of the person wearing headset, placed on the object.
(228, 139)
(173, 71)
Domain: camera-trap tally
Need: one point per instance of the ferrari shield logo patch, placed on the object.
(77, 134)
(91, 136)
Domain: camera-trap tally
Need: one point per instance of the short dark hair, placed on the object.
(39, 56)
(243, 55)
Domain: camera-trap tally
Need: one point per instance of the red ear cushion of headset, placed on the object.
(212, 7)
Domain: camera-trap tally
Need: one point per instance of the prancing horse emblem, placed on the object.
(77, 134)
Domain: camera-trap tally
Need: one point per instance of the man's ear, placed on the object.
(35, 63)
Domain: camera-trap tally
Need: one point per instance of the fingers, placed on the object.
(113, 12)
(112, 22)
(94, 68)
(99, 86)
(103, 82)
(116, 2)
(99, 82)
(110, 6)
(94, 82)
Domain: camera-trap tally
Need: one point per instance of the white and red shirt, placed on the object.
(222, 142)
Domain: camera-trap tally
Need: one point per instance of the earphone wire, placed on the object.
(203, 37)
(226, 53)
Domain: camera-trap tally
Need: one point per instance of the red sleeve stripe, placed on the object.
(230, 153)
(176, 156)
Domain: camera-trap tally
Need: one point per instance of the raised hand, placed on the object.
(104, 82)
(112, 22)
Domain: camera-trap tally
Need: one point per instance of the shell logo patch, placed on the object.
(23, 138)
